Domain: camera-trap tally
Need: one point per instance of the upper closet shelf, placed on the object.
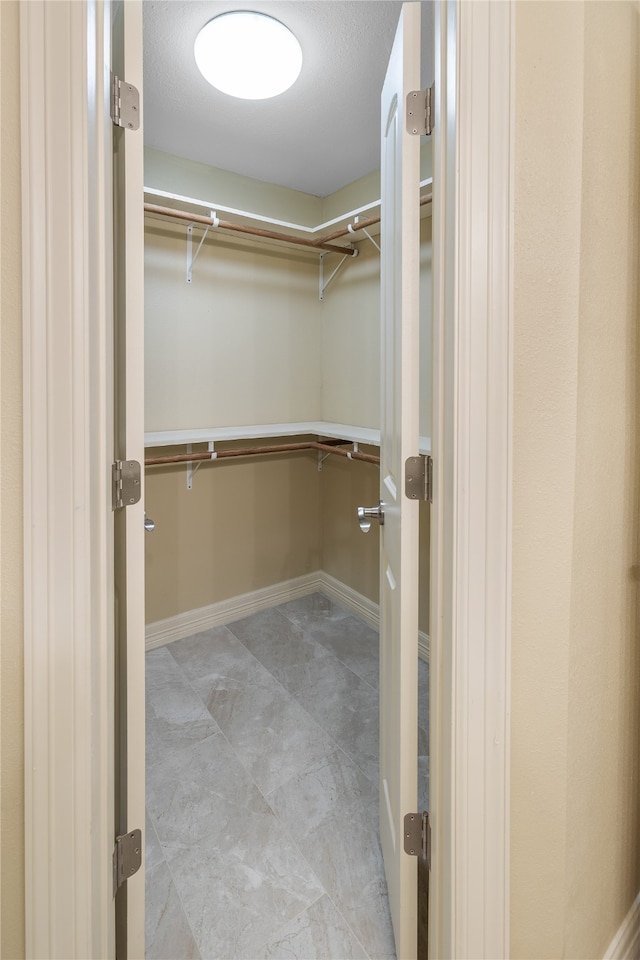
(179, 201)
(320, 428)
(188, 209)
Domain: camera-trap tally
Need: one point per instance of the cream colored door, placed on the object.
(128, 354)
(400, 176)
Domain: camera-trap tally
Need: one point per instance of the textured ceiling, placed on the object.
(318, 136)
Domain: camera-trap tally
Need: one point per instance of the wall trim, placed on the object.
(626, 942)
(227, 611)
(365, 608)
(336, 590)
(235, 608)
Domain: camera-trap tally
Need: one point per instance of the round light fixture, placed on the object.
(248, 55)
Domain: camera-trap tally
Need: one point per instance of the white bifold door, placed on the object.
(399, 392)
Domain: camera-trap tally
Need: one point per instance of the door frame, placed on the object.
(68, 538)
(472, 451)
(68, 525)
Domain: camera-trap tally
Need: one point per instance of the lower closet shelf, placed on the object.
(255, 431)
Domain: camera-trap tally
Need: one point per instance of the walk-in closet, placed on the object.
(262, 439)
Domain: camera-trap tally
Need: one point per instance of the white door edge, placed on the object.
(67, 636)
(471, 520)
(128, 190)
(399, 429)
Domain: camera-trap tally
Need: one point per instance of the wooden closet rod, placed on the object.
(261, 451)
(242, 228)
(321, 243)
(361, 225)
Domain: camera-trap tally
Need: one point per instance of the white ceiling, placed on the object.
(318, 136)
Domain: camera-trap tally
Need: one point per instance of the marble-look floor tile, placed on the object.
(212, 653)
(423, 783)
(153, 854)
(175, 714)
(336, 827)
(299, 876)
(314, 611)
(167, 932)
(243, 886)
(423, 736)
(344, 705)
(333, 788)
(320, 933)
(423, 742)
(190, 793)
(276, 642)
(274, 737)
(423, 705)
(356, 644)
(239, 875)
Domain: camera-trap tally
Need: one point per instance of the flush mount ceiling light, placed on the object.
(248, 55)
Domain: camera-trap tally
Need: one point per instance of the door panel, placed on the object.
(400, 266)
(128, 353)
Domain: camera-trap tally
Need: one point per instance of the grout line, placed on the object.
(313, 719)
(175, 886)
(264, 945)
(350, 928)
(350, 613)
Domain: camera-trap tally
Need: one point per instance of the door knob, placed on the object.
(367, 514)
(149, 524)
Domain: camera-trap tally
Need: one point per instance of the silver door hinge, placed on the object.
(417, 836)
(418, 478)
(420, 118)
(127, 857)
(126, 486)
(125, 104)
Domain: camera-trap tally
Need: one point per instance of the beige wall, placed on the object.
(11, 622)
(348, 554)
(190, 179)
(239, 344)
(350, 358)
(244, 525)
(351, 339)
(575, 801)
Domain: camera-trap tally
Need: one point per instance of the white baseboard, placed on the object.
(226, 611)
(364, 607)
(235, 608)
(349, 598)
(626, 943)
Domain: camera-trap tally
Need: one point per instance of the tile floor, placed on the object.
(262, 796)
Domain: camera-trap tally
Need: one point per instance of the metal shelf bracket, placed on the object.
(191, 470)
(191, 257)
(322, 458)
(323, 284)
(353, 227)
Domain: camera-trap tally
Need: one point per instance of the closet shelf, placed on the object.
(319, 428)
(352, 224)
(180, 202)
